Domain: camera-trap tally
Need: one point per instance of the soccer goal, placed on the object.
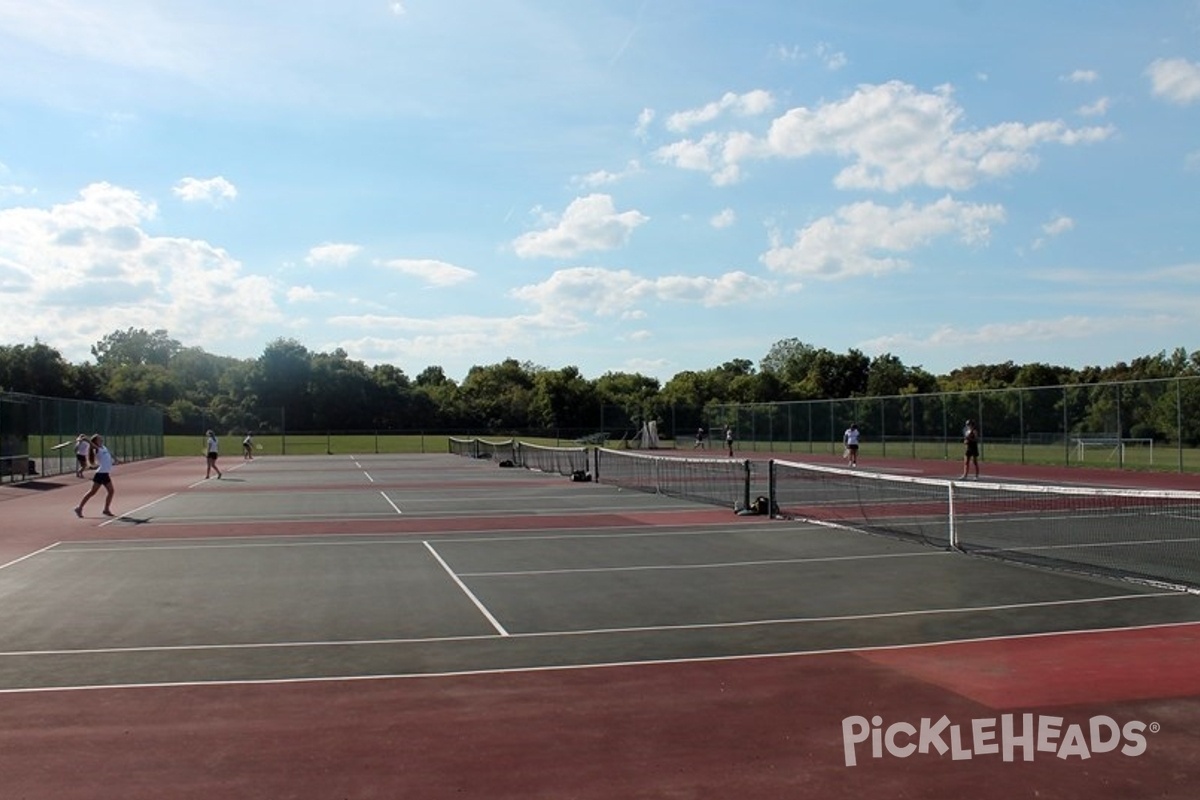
(1112, 447)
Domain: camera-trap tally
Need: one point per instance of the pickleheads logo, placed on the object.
(1008, 737)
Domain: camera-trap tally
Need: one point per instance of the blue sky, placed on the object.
(634, 186)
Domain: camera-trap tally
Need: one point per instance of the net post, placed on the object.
(746, 484)
(952, 528)
(771, 502)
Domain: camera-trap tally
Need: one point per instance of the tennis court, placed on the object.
(437, 626)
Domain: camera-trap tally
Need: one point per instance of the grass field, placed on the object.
(1161, 457)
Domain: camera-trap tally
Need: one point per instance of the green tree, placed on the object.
(135, 346)
(36, 369)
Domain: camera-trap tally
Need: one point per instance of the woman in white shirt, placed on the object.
(210, 456)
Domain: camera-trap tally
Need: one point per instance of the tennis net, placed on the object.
(717, 481)
(545, 458)
(1145, 535)
(482, 448)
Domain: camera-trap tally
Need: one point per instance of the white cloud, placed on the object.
(1009, 334)
(432, 272)
(332, 254)
(400, 340)
(743, 105)
(92, 255)
(589, 224)
(1081, 76)
(208, 190)
(1176, 80)
(723, 219)
(832, 59)
(603, 177)
(895, 137)
(644, 120)
(1075, 327)
(1096, 109)
(305, 294)
(618, 292)
(1059, 225)
(867, 239)
(1055, 227)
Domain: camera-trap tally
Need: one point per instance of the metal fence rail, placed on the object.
(37, 433)
(1146, 424)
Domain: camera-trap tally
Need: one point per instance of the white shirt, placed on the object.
(851, 436)
(212, 444)
(104, 460)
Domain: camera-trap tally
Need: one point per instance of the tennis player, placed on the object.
(210, 456)
(104, 465)
(82, 449)
(850, 438)
(970, 448)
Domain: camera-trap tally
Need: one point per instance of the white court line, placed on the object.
(713, 565)
(29, 555)
(470, 595)
(466, 673)
(136, 510)
(390, 503)
(650, 629)
(369, 478)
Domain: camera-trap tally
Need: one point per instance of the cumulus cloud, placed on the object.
(618, 292)
(205, 190)
(743, 105)
(1097, 109)
(332, 254)
(93, 253)
(894, 136)
(1072, 327)
(1081, 76)
(1055, 227)
(589, 224)
(644, 120)
(305, 294)
(432, 272)
(831, 58)
(1175, 80)
(723, 219)
(602, 177)
(870, 239)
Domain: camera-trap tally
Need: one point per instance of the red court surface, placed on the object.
(1100, 714)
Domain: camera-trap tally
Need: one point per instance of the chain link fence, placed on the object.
(38, 434)
(1146, 424)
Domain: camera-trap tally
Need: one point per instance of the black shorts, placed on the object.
(102, 478)
(853, 448)
(81, 460)
(972, 450)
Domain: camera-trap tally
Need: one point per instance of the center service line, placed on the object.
(482, 608)
(395, 507)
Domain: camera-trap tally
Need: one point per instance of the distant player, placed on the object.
(248, 447)
(970, 448)
(729, 440)
(850, 439)
(210, 456)
(699, 438)
(83, 448)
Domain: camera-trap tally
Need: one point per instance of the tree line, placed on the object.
(289, 387)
